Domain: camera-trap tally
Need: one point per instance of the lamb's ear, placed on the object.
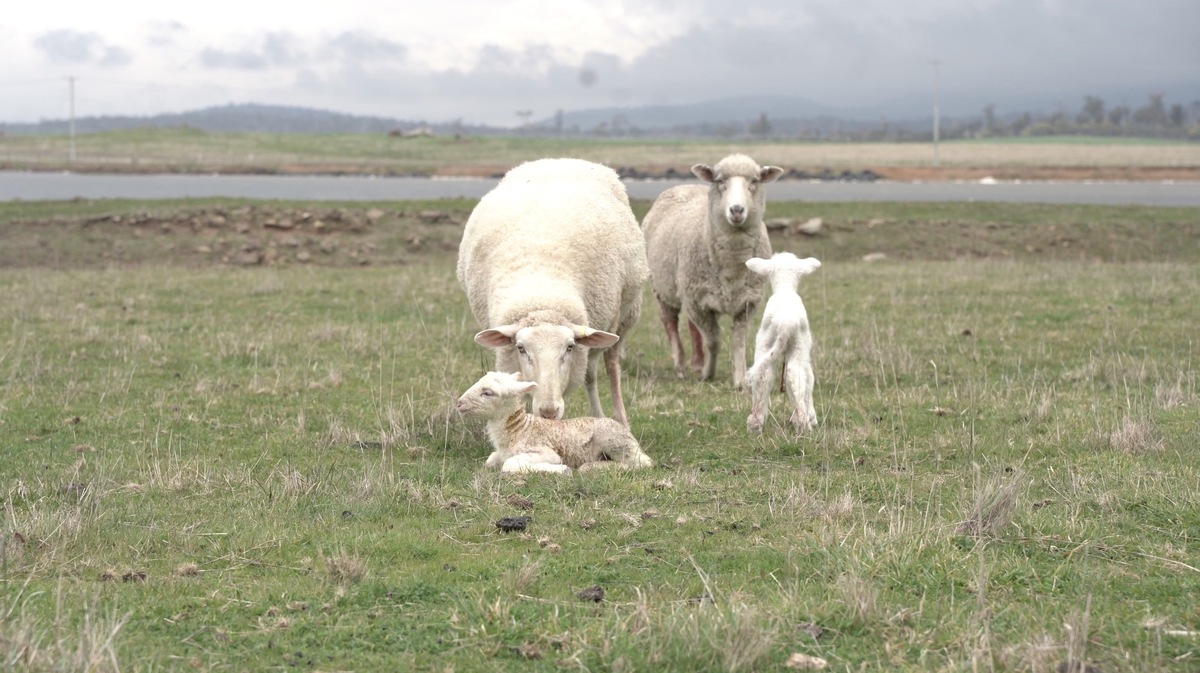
(525, 387)
(809, 264)
(758, 265)
(496, 337)
(770, 173)
(704, 172)
(593, 338)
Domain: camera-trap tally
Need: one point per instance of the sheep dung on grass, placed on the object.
(525, 443)
(783, 337)
(553, 263)
(698, 238)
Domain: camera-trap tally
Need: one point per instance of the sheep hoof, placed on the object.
(754, 425)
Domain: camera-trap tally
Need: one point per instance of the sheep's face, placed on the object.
(496, 395)
(554, 356)
(735, 193)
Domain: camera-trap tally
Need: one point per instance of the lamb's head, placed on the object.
(496, 395)
(549, 354)
(736, 192)
(783, 269)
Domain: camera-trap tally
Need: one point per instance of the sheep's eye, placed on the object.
(487, 392)
(570, 347)
(521, 349)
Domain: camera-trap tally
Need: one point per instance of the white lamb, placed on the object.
(698, 238)
(525, 443)
(553, 263)
(783, 337)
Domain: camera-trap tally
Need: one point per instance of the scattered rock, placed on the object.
(509, 524)
(593, 593)
(811, 629)
(777, 223)
(134, 576)
(810, 227)
(874, 257)
(374, 214)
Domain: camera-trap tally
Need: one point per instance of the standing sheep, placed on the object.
(553, 263)
(783, 336)
(698, 238)
(525, 443)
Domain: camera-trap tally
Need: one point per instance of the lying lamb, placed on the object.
(783, 336)
(526, 443)
(698, 238)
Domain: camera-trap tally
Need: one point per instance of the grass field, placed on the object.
(195, 150)
(214, 466)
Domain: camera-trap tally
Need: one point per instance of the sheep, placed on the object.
(525, 443)
(553, 263)
(698, 238)
(783, 336)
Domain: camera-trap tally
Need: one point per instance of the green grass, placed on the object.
(212, 467)
(192, 150)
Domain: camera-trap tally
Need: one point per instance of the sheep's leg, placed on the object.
(538, 460)
(612, 366)
(670, 320)
(710, 334)
(592, 384)
(741, 326)
(697, 347)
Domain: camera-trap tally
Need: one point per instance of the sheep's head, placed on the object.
(548, 354)
(496, 395)
(783, 268)
(735, 193)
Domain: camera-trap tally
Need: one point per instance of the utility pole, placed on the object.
(71, 88)
(936, 111)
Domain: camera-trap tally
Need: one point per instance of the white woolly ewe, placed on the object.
(783, 337)
(553, 263)
(698, 238)
(525, 443)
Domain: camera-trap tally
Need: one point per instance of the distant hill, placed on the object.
(238, 118)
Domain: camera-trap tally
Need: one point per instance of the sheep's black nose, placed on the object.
(736, 210)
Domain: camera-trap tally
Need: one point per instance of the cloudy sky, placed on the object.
(481, 61)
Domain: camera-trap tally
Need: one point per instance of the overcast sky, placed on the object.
(483, 60)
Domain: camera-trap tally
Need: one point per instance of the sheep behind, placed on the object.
(698, 238)
(784, 336)
(553, 262)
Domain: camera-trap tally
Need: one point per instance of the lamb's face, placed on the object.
(735, 192)
(496, 395)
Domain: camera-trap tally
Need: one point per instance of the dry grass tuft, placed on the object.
(858, 595)
(1133, 437)
(345, 569)
(992, 511)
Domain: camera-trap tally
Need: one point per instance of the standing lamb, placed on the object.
(553, 263)
(783, 336)
(698, 238)
(525, 443)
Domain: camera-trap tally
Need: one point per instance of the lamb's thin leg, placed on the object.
(670, 320)
(697, 347)
(799, 384)
(612, 365)
(741, 326)
(592, 385)
(760, 377)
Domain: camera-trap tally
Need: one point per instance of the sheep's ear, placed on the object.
(758, 265)
(770, 173)
(594, 338)
(704, 172)
(809, 264)
(496, 337)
